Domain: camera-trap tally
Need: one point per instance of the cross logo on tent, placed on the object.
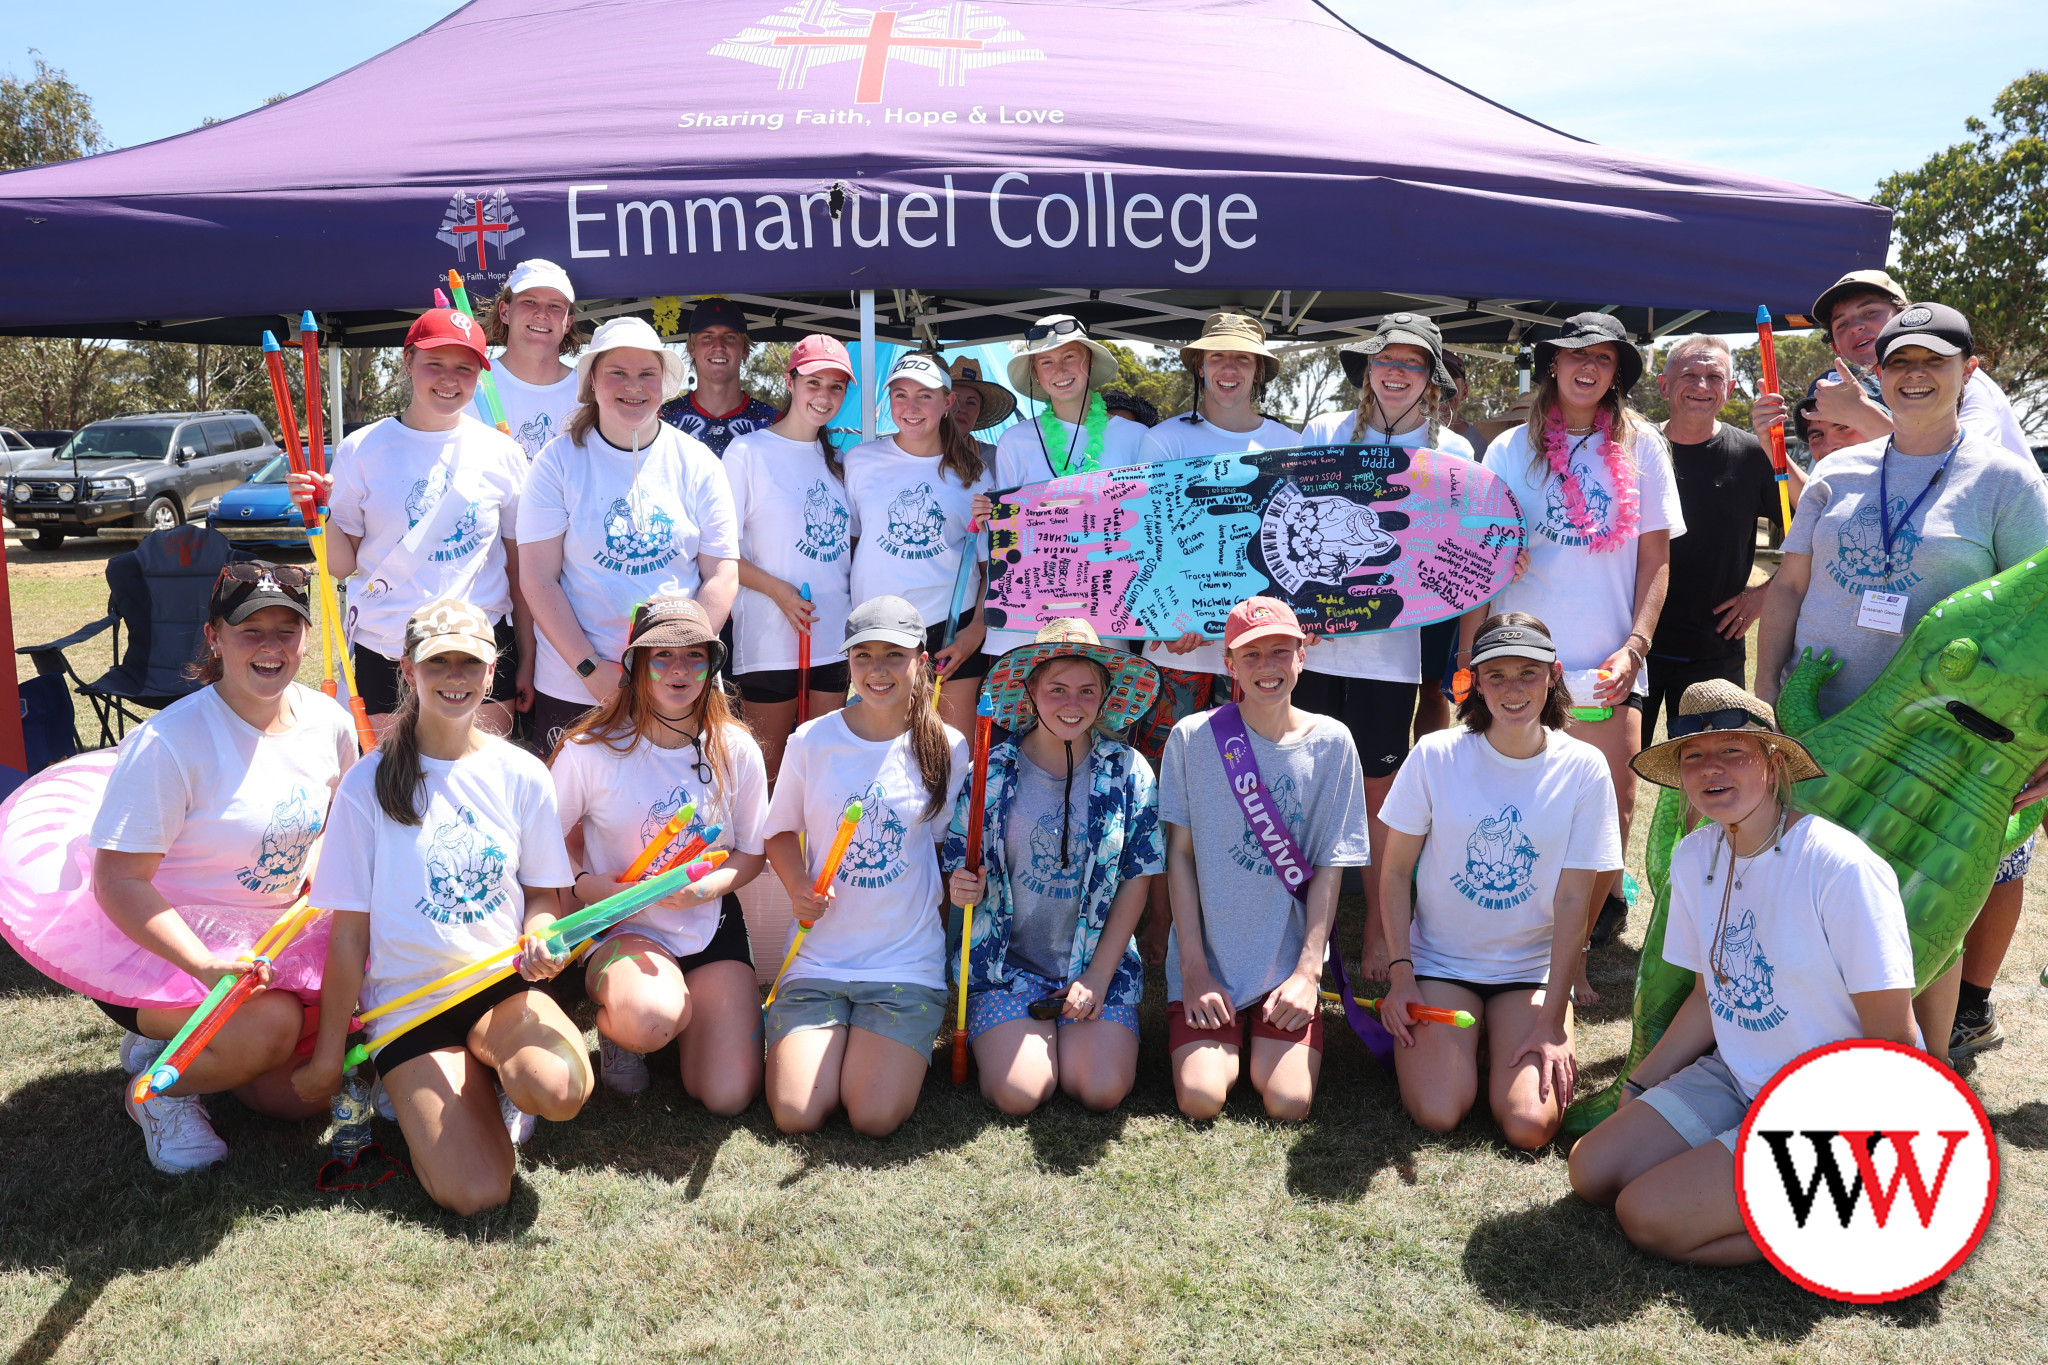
(485, 216)
(954, 38)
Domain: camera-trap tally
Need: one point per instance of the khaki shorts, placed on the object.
(1703, 1102)
(899, 1011)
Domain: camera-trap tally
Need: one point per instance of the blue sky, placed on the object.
(1824, 92)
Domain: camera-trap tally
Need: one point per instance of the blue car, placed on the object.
(262, 501)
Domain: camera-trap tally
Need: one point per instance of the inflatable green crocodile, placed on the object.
(1923, 766)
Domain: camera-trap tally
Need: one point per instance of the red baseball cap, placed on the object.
(448, 327)
(817, 353)
(1257, 617)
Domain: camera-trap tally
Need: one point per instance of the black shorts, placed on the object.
(1670, 677)
(552, 715)
(450, 1028)
(776, 686)
(1376, 712)
(729, 943)
(377, 676)
(975, 665)
(1486, 990)
(127, 1016)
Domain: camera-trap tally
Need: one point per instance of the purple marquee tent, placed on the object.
(976, 163)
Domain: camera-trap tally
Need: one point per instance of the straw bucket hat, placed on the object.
(1718, 704)
(1133, 683)
(997, 402)
(1232, 332)
(1049, 334)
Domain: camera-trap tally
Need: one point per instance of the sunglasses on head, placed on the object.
(289, 577)
(1040, 331)
(1727, 718)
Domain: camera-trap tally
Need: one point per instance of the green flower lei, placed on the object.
(1095, 419)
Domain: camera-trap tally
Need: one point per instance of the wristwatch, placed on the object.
(586, 668)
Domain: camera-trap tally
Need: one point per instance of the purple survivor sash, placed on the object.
(1290, 864)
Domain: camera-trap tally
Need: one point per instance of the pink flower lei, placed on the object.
(1619, 474)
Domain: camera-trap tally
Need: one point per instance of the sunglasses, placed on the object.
(1040, 331)
(290, 578)
(1727, 718)
(1411, 366)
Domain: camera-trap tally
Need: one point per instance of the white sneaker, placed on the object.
(380, 1100)
(176, 1132)
(139, 1054)
(519, 1124)
(624, 1071)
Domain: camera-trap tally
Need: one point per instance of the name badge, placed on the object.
(1885, 611)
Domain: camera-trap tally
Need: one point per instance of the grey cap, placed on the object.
(889, 619)
(1513, 642)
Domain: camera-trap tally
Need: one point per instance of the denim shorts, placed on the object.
(1001, 1004)
(899, 1011)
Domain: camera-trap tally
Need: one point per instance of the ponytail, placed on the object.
(928, 741)
(959, 452)
(399, 774)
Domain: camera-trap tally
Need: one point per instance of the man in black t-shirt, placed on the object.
(1725, 482)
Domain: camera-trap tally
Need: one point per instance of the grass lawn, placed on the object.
(649, 1230)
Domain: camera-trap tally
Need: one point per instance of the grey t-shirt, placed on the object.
(1988, 512)
(1252, 928)
(1045, 898)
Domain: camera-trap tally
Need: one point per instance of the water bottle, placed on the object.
(1585, 696)
(351, 1111)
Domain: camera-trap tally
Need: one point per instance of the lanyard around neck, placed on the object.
(1885, 524)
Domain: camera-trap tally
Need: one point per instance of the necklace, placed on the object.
(1732, 885)
(1094, 423)
(699, 769)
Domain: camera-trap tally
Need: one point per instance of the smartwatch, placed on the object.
(586, 668)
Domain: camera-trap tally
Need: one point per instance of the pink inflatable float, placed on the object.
(50, 915)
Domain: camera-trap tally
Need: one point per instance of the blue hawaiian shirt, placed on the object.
(1122, 841)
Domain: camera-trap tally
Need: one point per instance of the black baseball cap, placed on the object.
(247, 586)
(1938, 327)
(1513, 642)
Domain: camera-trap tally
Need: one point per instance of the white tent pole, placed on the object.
(334, 393)
(867, 365)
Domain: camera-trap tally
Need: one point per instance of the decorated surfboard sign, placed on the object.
(1355, 538)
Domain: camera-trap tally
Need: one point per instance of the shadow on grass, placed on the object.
(78, 1195)
(1568, 1264)
(2024, 1126)
(18, 979)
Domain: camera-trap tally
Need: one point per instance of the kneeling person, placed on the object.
(1070, 844)
(1245, 967)
(1798, 935)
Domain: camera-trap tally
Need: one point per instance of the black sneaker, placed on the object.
(1613, 919)
(1975, 1031)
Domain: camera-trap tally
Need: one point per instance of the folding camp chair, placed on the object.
(158, 591)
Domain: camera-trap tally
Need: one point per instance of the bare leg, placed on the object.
(1285, 1075)
(879, 1082)
(1935, 1010)
(1618, 738)
(1203, 1073)
(1439, 1076)
(1373, 957)
(1018, 1064)
(1633, 1141)
(1098, 1062)
(642, 1001)
(1984, 947)
(256, 1040)
(803, 1077)
(537, 1053)
(1685, 1210)
(721, 1042)
(1526, 1120)
(447, 1105)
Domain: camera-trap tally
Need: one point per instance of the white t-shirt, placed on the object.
(233, 810)
(1987, 412)
(1812, 924)
(622, 801)
(448, 890)
(796, 523)
(913, 521)
(885, 923)
(430, 511)
(1021, 459)
(1388, 655)
(1499, 832)
(537, 413)
(1586, 599)
(1176, 438)
(632, 528)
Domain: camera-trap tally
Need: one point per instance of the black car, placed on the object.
(155, 469)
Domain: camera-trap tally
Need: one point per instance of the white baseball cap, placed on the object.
(924, 369)
(634, 332)
(539, 274)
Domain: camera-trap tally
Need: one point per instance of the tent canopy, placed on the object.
(1139, 162)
